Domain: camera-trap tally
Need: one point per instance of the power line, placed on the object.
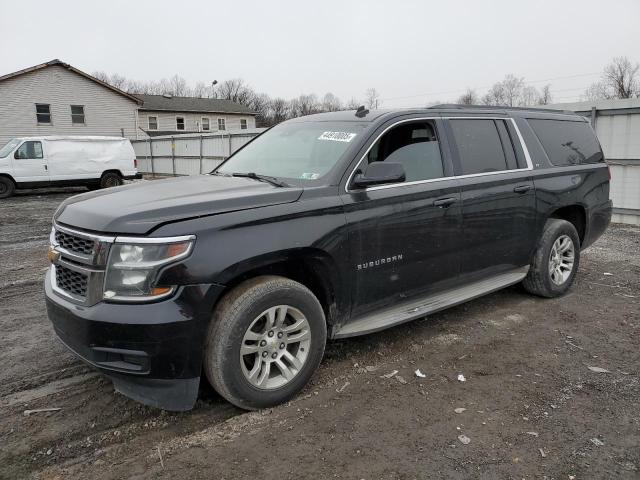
(489, 86)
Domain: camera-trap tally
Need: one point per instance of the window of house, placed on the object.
(43, 113)
(415, 146)
(566, 142)
(221, 124)
(179, 123)
(77, 114)
(29, 150)
(243, 124)
(153, 123)
(205, 124)
(479, 146)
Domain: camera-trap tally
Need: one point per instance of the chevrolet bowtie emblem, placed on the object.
(52, 255)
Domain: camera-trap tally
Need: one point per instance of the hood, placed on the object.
(138, 208)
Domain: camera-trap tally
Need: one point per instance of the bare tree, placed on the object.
(352, 104)
(261, 104)
(102, 76)
(372, 98)
(621, 77)
(331, 103)
(278, 111)
(597, 91)
(512, 87)
(529, 96)
(235, 90)
(470, 97)
(179, 87)
(200, 90)
(619, 80)
(495, 95)
(545, 95)
(304, 105)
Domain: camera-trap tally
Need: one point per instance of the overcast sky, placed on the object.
(412, 52)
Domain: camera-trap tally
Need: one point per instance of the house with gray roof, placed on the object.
(169, 115)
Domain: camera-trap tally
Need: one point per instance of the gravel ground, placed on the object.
(530, 406)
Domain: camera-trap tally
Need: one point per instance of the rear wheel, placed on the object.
(7, 187)
(110, 179)
(265, 341)
(556, 260)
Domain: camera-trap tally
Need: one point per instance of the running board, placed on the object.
(414, 309)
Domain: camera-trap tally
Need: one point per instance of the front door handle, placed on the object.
(522, 188)
(444, 202)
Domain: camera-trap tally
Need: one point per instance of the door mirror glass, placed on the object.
(380, 173)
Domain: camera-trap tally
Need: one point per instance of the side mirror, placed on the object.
(380, 173)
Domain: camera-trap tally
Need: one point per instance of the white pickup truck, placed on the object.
(95, 162)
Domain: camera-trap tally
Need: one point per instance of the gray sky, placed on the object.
(412, 52)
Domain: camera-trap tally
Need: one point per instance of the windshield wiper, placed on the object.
(263, 178)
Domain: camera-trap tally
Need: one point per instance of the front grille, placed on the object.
(74, 243)
(71, 281)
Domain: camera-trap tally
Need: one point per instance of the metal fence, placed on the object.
(188, 154)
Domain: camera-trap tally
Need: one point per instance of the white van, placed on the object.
(95, 162)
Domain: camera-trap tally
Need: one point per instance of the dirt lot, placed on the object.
(533, 407)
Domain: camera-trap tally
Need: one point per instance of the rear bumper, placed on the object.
(152, 352)
(137, 176)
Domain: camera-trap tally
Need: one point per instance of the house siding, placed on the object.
(106, 112)
(167, 120)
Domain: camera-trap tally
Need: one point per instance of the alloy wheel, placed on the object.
(561, 259)
(275, 347)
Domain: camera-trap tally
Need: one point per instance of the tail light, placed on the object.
(135, 163)
(609, 170)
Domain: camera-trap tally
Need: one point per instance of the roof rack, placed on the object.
(458, 106)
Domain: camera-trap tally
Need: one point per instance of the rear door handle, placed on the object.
(444, 202)
(522, 188)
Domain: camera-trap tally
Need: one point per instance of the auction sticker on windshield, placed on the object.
(337, 136)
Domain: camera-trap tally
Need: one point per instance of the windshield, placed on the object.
(296, 150)
(8, 148)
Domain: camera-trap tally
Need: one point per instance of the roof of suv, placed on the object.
(436, 110)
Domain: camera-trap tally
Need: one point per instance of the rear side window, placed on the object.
(479, 146)
(567, 143)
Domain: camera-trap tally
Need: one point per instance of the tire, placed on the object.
(544, 280)
(228, 371)
(7, 187)
(110, 179)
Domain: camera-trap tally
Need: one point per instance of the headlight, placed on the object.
(134, 264)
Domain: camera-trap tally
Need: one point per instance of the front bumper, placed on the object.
(151, 351)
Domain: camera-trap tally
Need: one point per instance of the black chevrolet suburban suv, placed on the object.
(325, 226)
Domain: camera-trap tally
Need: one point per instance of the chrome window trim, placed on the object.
(527, 156)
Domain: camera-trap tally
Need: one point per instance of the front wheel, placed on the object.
(555, 261)
(7, 187)
(265, 341)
